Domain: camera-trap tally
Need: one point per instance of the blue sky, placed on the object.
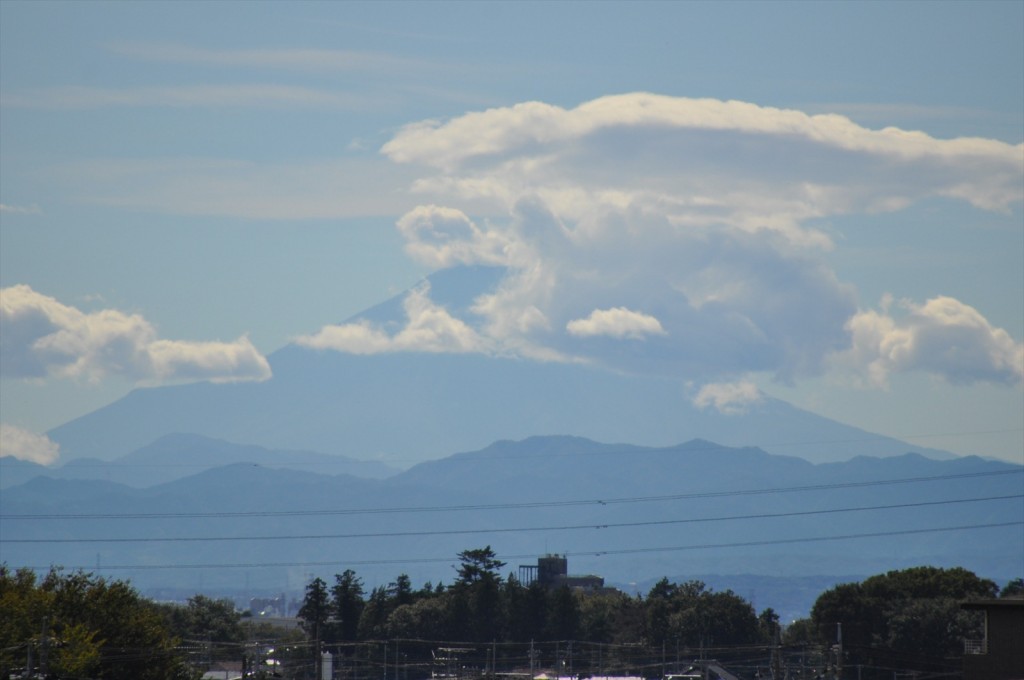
(187, 187)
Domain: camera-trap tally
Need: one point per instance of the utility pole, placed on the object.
(44, 651)
(839, 651)
(777, 654)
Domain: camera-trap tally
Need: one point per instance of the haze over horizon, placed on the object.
(821, 203)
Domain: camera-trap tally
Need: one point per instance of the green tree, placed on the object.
(79, 652)
(859, 615)
(204, 619)
(1014, 588)
(81, 625)
(525, 611)
(315, 608)
(903, 618)
(800, 633)
(24, 605)
(767, 625)
(134, 638)
(374, 619)
(929, 582)
(730, 619)
(479, 565)
(564, 617)
(930, 629)
(425, 619)
(690, 614)
(314, 614)
(401, 591)
(347, 604)
(476, 596)
(662, 603)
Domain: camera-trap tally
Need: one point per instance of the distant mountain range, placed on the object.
(410, 407)
(629, 513)
(174, 456)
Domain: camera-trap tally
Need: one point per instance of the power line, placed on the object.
(592, 553)
(455, 532)
(784, 541)
(508, 506)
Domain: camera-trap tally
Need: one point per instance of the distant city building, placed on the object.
(271, 607)
(552, 572)
(1000, 654)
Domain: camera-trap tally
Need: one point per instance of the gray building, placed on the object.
(552, 571)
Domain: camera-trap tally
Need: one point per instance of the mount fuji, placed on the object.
(407, 407)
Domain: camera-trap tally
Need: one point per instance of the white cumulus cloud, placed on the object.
(16, 442)
(43, 337)
(428, 328)
(444, 237)
(617, 322)
(943, 337)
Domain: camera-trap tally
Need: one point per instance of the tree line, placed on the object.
(481, 606)
(79, 625)
(903, 620)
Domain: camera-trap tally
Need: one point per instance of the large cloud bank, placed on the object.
(43, 337)
(672, 235)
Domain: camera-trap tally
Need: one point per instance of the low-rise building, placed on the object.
(552, 571)
(999, 655)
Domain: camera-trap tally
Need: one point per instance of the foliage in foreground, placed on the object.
(903, 619)
(77, 625)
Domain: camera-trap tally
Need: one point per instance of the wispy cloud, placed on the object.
(20, 209)
(45, 338)
(191, 96)
(295, 59)
(315, 189)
